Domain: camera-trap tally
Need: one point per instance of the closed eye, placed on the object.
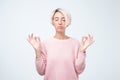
(56, 19)
(63, 19)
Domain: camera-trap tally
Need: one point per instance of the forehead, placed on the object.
(58, 14)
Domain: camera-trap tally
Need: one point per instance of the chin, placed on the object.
(60, 31)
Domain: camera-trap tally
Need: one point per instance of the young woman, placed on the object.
(60, 57)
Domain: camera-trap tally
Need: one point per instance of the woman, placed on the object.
(60, 57)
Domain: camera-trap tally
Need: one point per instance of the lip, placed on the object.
(60, 27)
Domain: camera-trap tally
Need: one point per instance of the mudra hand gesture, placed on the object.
(86, 42)
(36, 44)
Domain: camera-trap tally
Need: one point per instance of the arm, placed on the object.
(41, 61)
(80, 61)
(39, 51)
(81, 53)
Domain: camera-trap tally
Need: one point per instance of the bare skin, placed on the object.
(36, 44)
(59, 24)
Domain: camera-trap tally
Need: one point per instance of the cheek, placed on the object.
(53, 22)
(64, 23)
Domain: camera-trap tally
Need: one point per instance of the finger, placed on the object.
(28, 37)
(38, 38)
(35, 37)
(84, 39)
(93, 39)
(89, 36)
(31, 35)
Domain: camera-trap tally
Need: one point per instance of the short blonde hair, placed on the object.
(65, 13)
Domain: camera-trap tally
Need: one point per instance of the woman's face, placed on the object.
(59, 22)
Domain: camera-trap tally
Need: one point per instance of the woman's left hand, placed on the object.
(86, 42)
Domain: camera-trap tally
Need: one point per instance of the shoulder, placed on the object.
(46, 41)
(74, 40)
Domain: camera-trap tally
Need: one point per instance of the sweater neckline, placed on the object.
(61, 39)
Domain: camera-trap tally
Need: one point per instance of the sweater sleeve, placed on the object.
(79, 60)
(41, 62)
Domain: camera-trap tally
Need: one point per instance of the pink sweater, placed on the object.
(60, 59)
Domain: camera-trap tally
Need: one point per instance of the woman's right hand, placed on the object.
(35, 42)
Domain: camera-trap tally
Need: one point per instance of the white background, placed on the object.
(18, 18)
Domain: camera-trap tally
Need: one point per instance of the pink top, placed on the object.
(60, 59)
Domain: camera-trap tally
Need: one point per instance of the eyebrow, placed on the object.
(58, 17)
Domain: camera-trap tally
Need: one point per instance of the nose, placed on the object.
(60, 22)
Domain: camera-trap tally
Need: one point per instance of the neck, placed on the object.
(60, 36)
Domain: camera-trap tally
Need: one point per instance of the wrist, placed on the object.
(38, 52)
(83, 51)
